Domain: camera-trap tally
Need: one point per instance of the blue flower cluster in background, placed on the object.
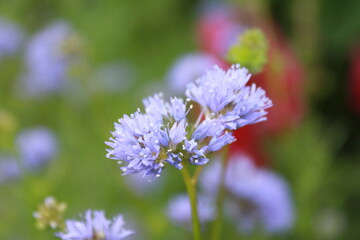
(257, 197)
(187, 69)
(11, 38)
(179, 210)
(48, 59)
(9, 168)
(35, 148)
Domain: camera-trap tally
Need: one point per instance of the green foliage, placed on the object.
(309, 171)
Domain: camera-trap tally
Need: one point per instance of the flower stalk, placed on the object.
(191, 191)
(217, 226)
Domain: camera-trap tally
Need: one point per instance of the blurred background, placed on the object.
(69, 69)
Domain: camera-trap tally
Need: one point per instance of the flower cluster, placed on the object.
(147, 141)
(261, 199)
(163, 135)
(179, 210)
(37, 146)
(95, 226)
(9, 168)
(187, 69)
(224, 95)
(11, 38)
(49, 57)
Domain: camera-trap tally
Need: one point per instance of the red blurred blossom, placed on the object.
(283, 80)
(282, 77)
(354, 81)
(249, 142)
(217, 31)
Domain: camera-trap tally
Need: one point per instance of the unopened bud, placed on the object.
(250, 51)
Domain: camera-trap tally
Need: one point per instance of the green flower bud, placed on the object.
(250, 51)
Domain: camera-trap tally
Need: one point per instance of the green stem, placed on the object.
(191, 190)
(217, 225)
(197, 174)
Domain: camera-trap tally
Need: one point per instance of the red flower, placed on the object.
(249, 142)
(354, 81)
(282, 78)
(217, 31)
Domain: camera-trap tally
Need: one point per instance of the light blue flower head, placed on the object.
(49, 57)
(187, 69)
(9, 168)
(266, 192)
(148, 141)
(179, 210)
(95, 226)
(213, 133)
(259, 197)
(37, 146)
(11, 38)
(224, 95)
(162, 135)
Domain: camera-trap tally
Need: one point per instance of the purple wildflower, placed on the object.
(95, 226)
(212, 132)
(11, 38)
(9, 168)
(224, 95)
(187, 69)
(148, 141)
(267, 192)
(162, 135)
(37, 147)
(49, 56)
(259, 196)
(179, 210)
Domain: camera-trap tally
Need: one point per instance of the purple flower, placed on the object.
(224, 95)
(212, 132)
(148, 141)
(49, 56)
(179, 210)
(267, 192)
(11, 37)
(95, 226)
(37, 146)
(162, 135)
(259, 196)
(9, 168)
(187, 69)
(157, 108)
